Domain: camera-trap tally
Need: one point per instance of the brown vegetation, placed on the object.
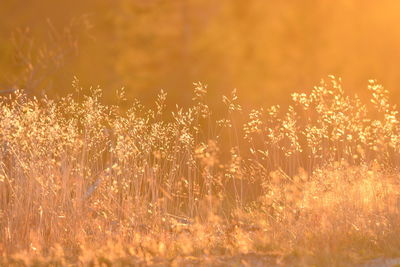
(84, 183)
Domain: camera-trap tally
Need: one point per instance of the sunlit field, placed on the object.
(316, 183)
(123, 141)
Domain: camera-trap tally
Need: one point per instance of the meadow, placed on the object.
(314, 183)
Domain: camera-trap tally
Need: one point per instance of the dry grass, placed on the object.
(82, 183)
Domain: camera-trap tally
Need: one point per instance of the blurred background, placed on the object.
(265, 49)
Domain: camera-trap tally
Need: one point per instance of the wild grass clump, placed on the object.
(86, 183)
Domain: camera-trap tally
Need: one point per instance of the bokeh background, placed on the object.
(265, 49)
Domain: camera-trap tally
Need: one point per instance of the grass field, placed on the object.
(315, 183)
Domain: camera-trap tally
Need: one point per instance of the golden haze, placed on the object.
(285, 170)
(266, 49)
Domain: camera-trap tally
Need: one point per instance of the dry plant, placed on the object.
(83, 183)
(39, 61)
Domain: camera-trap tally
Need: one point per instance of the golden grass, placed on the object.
(82, 183)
